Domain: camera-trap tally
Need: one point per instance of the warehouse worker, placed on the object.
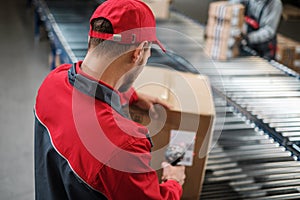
(86, 147)
(262, 18)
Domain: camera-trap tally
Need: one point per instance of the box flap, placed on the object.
(186, 92)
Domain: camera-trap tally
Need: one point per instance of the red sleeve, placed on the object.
(174, 193)
(145, 186)
(124, 185)
(128, 97)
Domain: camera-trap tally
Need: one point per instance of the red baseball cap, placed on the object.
(132, 21)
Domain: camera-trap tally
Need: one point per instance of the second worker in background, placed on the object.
(262, 18)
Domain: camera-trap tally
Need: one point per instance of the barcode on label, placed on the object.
(187, 139)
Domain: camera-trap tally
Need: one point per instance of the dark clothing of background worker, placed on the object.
(86, 147)
(262, 18)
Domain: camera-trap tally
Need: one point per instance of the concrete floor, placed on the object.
(23, 67)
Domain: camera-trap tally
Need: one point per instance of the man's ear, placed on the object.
(138, 53)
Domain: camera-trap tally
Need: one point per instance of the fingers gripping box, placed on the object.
(188, 122)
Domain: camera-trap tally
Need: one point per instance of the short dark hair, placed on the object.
(113, 48)
(100, 25)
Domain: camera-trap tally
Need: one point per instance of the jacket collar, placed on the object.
(95, 89)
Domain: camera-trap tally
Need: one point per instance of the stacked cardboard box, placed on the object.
(160, 8)
(224, 25)
(288, 52)
(189, 121)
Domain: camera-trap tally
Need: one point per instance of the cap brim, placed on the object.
(160, 45)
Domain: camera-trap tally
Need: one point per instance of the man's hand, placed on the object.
(176, 173)
(242, 39)
(147, 102)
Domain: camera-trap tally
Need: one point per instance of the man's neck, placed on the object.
(111, 75)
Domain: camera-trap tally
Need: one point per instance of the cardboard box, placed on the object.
(223, 30)
(225, 19)
(221, 49)
(160, 8)
(288, 52)
(297, 51)
(285, 54)
(296, 63)
(226, 11)
(192, 116)
(224, 26)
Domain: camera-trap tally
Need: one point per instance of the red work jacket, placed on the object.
(85, 145)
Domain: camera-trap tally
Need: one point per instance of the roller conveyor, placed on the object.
(67, 24)
(255, 157)
(249, 169)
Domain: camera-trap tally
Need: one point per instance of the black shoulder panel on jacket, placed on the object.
(54, 178)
